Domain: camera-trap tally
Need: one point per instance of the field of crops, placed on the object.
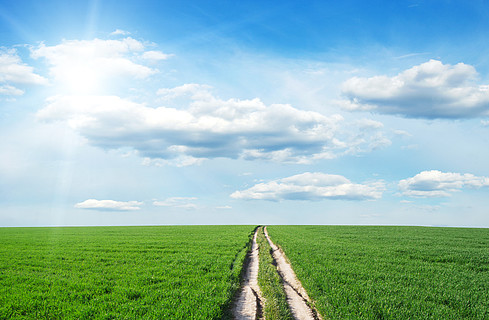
(391, 272)
(192, 272)
(187, 272)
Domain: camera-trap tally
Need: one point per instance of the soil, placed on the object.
(297, 297)
(249, 303)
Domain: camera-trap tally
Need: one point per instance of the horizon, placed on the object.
(152, 113)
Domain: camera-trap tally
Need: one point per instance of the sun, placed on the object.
(82, 80)
(81, 77)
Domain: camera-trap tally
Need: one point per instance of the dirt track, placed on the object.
(297, 297)
(249, 303)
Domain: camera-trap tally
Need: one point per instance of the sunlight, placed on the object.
(81, 79)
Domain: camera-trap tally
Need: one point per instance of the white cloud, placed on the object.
(208, 127)
(120, 32)
(410, 55)
(485, 123)
(109, 205)
(312, 186)
(177, 161)
(430, 90)
(369, 124)
(14, 71)
(177, 202)
(194, 91)
(155, 55)
(402, 133)
(435, 183)
(11, 91)
(81, 65)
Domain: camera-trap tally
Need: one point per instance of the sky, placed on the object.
(252, 112)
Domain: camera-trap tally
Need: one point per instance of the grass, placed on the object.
(390, 272)
(187, 272)
(275, 301)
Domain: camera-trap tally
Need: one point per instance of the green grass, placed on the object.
(187, 272)
(391, 272)
(275, 304)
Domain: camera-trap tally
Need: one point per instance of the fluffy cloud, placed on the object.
(208, 127)
(14, 71)
(430, 90)
(93, 64)
(177, 202)
(10, 90)
(435, 183)
(312, 186)
(109, 205)
(155, 55)
(194, 91)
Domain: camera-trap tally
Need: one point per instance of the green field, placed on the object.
(192, 272)
(187, 272)
(390, 272)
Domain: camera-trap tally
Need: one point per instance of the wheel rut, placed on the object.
(299, 302)
(249, 304)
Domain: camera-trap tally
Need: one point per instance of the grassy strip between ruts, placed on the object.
(189, 272)
(360, 272)
(270, 282)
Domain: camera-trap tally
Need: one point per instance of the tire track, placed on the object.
(297, 298)
(249, 304)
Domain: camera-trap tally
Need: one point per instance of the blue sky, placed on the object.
(197, 112)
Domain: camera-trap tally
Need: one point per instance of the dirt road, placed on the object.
(249, 303)
(297, 297)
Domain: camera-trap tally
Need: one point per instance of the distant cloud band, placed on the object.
(109, 205)
(312, 186)
(435, 183)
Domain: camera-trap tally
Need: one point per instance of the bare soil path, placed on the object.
(297, 297)
(249, 304)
